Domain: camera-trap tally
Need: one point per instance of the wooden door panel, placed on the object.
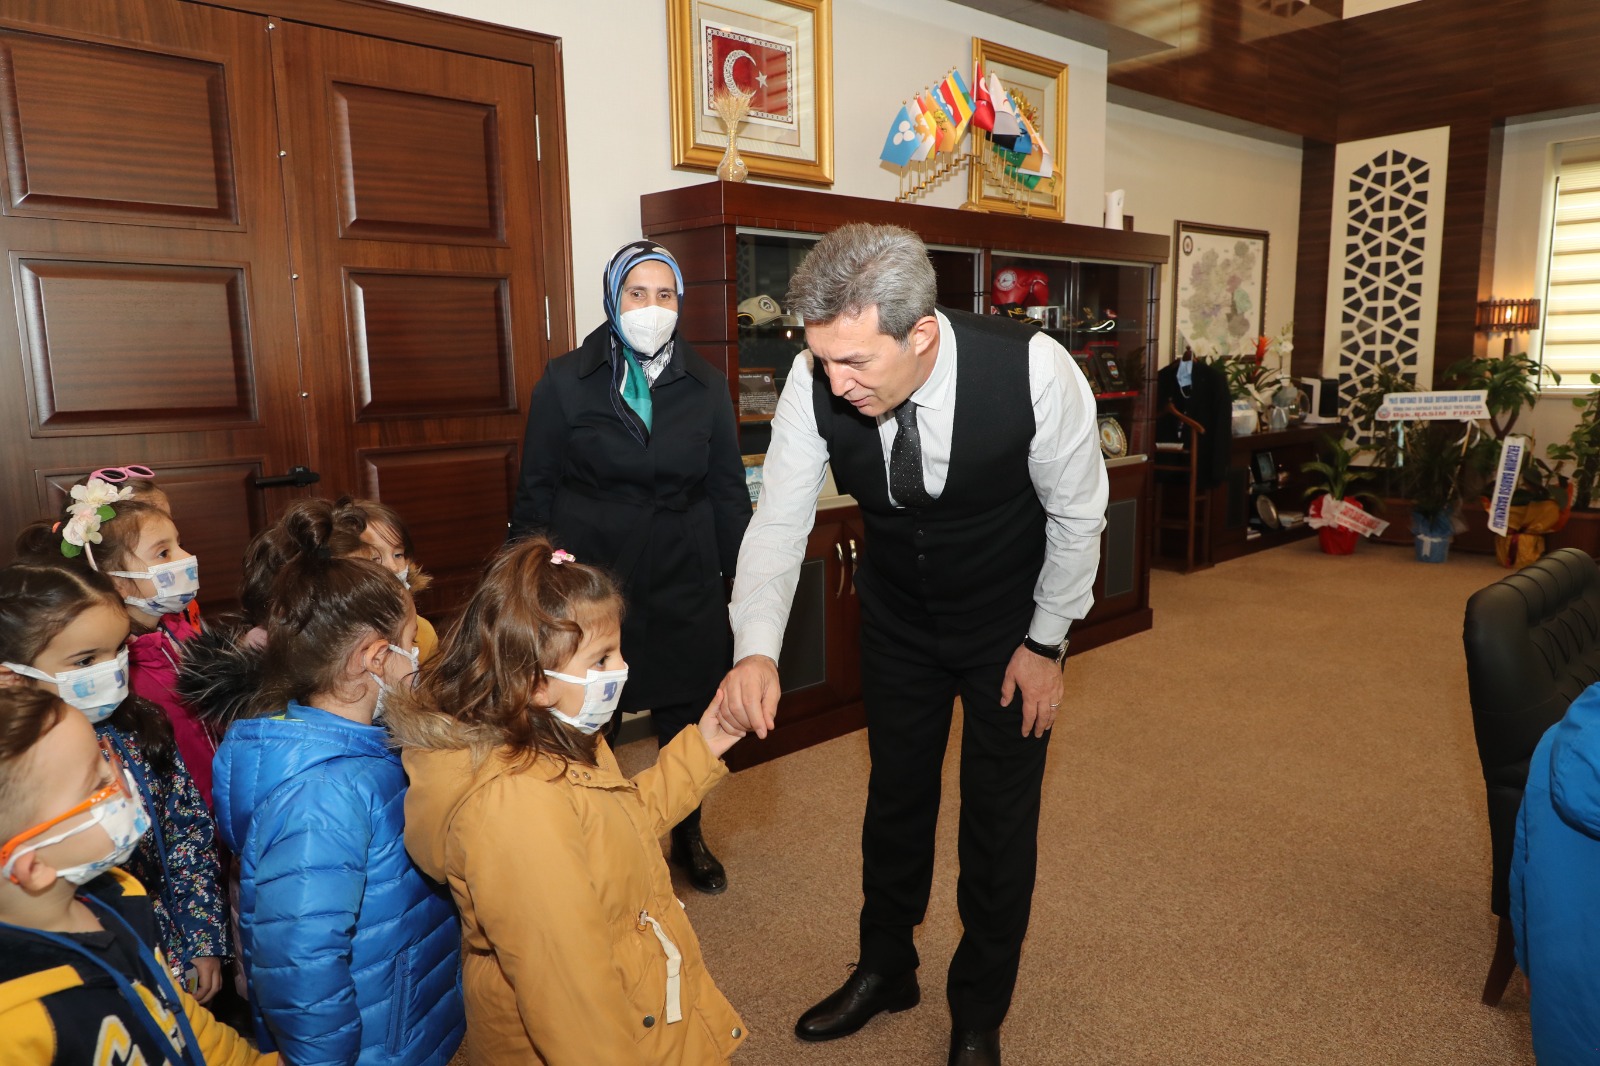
(453, 500)
(430, 345)
(415, 184)
(216, 507)
(117, 347)
(414, 167)
(115, 133)
(149, 318)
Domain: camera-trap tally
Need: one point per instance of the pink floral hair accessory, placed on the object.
(561, 555)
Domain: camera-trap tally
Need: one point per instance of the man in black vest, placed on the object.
(971, 445)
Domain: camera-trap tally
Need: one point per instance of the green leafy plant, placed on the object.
(1511, 383)
(1335, 475)
(1582, 448)
(1431, 474)
(1364, 419)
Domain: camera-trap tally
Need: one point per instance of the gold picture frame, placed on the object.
(789, 132)
(1042, 83)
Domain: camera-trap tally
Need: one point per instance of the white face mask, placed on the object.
(95, 690)
(123, 818)
(415, 655)
(177, 583)
(602, 689)
(648, 329)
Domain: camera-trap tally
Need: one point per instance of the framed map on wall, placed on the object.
(1219, 288)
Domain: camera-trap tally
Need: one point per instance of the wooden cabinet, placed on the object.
(820, 665)
(737, 245)
(1236, 527)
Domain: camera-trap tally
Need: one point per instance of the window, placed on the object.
(1571, 337)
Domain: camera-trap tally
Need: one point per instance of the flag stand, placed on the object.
(929, 177)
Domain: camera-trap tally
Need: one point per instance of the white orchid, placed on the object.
(96, 493)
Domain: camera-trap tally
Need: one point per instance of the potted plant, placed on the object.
(1582, 449)
(1333, 480)
(1431, 478)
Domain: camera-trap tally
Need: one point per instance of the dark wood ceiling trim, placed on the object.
(396, 22)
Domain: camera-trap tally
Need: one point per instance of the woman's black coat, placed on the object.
(666, 518)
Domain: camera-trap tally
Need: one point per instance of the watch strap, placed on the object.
(1056, 653)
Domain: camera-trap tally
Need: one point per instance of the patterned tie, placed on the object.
(905, 460)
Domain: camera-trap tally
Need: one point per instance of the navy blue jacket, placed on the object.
(1555, 887)
(352, 955)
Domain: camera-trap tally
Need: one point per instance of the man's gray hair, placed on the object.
(858, 266)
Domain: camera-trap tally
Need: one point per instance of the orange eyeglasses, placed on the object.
(118, 786)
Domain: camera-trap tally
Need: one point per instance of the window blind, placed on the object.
(1572, 304)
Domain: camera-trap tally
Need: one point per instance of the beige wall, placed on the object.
(1352, 8)
(1176, 170)
(619, 137)
(1524, 216)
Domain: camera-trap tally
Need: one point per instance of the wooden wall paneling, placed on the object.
(453, 499)
(1550, 63)
(1313, 243)
(420, 307)
(1469, 215)
(149, 316)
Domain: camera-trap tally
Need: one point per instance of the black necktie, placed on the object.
(905, 460)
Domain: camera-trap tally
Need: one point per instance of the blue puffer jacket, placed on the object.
(352, 955)
(1555, 887)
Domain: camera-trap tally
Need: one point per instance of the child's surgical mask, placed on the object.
(177, 583)
(414, 655)
(648, 329)
(602, 689)
(116, 809)
(95, 690)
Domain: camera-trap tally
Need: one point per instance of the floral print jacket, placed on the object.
(177, 861)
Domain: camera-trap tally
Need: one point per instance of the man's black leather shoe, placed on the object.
(861, 996)
(690, 852)
(975, 1047)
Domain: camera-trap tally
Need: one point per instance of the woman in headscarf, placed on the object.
(631, 462)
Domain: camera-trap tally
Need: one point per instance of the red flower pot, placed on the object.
(1337, 541)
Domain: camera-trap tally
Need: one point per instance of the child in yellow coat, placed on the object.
(575, 950)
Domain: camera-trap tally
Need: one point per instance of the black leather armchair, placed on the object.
(1533, 643)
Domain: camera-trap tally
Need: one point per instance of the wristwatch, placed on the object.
(1057, 653)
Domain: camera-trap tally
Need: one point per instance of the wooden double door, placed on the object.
(240, 246)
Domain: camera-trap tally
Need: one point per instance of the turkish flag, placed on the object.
(742, 63)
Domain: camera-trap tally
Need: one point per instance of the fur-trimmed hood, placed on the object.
(221, 674)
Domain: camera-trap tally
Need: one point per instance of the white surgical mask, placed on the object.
(415, 655)
(601, 691)
(125, 822)
(177, 583)
(648, 329)
(95, 690)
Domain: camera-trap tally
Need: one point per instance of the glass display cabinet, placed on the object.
(1094, 290)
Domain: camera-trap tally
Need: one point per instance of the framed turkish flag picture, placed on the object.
(779, 53)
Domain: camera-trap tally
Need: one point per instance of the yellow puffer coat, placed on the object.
(575, 951)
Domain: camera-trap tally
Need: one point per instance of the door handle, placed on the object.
(298, 476)
(852, 566)
(838, 551)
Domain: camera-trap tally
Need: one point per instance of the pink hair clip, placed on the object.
(561, 555)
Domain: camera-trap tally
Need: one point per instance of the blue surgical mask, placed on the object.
(95, 690)
(177, 583)
(602, 689)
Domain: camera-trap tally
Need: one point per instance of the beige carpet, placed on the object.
(1263, 842)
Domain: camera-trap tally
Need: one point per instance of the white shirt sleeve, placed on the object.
(775, 543)
(1069, 474)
